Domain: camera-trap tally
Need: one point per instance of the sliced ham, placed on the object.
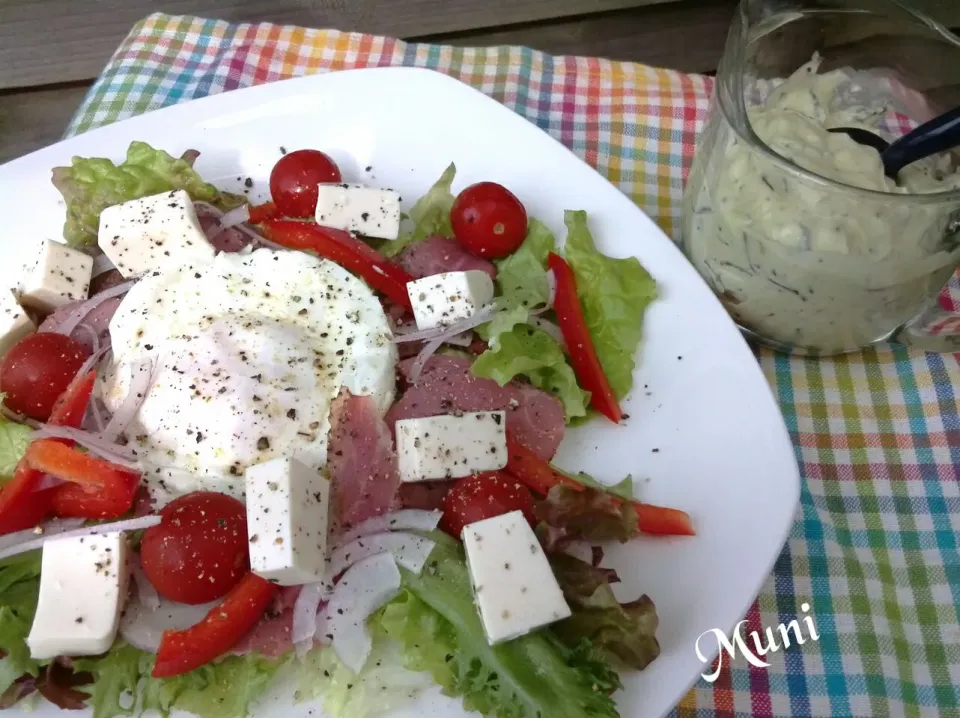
(106, 280)
(447, 385)
(223, 240)
(272, 636)
(98, 320)
(425, 495)
(441, 254)
(361, 462)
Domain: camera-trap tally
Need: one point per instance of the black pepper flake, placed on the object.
(292, 414)
(148, 347)
(263, 443)
(248, 183)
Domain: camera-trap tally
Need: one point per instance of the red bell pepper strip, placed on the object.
(21, 506)
(219, 631)
(539, 476)
(262, 212)
(583, 355)
(97, 489)
(346, 250)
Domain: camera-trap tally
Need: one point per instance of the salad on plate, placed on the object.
(310, 440)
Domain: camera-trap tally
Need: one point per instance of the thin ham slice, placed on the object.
(441, 254)
(223, 240)
(272, 636)
(361, 462)
(447, 385)
(425, 495)
(97, 320)
(106, 280)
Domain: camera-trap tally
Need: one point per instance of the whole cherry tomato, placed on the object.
(489, 220)
(483, 496)
(294, 180)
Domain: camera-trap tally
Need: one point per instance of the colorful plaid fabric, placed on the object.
(877, 434)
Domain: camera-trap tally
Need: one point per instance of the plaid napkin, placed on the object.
(877, 434)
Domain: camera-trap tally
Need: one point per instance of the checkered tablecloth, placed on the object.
(877, 434)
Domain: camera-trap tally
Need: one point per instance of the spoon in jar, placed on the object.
(938, 135)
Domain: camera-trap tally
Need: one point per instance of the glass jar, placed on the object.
(795, 228)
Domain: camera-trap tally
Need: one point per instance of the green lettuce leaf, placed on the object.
(14, 439)
(522, 276)
(429, 216)
(225, 689)
(90, 185)
(624, 633)
(535, 676)
(384, 685)
(589, 514)
(615, 294)
(623, 488)
(19, 588)
(531, 352)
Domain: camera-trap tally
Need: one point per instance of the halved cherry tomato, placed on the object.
(294, 180)
(539, 476)
(37, 370)
(583, 356)
(221, 629)
(347, 251)
(489, 220)
(199, 551)
(483, 496)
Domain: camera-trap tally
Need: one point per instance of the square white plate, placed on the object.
(704, 433)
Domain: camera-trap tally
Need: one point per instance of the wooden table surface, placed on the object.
(51, 50)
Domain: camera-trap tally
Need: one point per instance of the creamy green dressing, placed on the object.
(800, 263)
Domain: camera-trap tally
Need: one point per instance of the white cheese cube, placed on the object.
(451, 447)
(287, 511)
(355, 208)
(513, 585)
(152, 233)
(83, 587)
(60, 276)
(14, 322)
(443, 299)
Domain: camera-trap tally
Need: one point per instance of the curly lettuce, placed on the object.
(614, 294)
(19, 589)
(90, 185)
(535, 676)
(14, 439)
(428, 217)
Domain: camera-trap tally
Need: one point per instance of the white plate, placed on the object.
(699, 397)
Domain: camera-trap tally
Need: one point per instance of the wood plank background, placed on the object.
(51, 50)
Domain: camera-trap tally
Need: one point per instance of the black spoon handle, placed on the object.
(938, 135)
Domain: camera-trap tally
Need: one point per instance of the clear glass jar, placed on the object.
(798, 233)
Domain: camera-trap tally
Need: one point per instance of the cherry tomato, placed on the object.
(294, 180)
(37, 370)
(199, 550)
(489, 220)
(483, 496)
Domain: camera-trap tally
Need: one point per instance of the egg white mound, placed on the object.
(249, 353)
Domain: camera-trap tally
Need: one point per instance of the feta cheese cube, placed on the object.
(14, 322)
(451, 447)
(444, 299)
(60, 276)
(355, 208)
(152, 233)
(513, 585)
(83, 587)
(287, 511)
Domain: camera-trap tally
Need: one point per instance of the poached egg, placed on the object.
(248, 354)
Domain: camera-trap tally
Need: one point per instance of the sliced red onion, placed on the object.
(79, 313)
(482, 316)
(48, 528)
(142, 376)
(101, 265)
(95, 443)
(146, 593)
(428, 350)
(581, 550)
(235, 216)
(47, 482)
(134, 524)
(402, 520)
(408, 550)
(93, 359)
(143, 627)
(305, 616)
(551, 288)
(94, 337)
(364, 588)
(93, 417)
(461, 340)
(550, 328)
